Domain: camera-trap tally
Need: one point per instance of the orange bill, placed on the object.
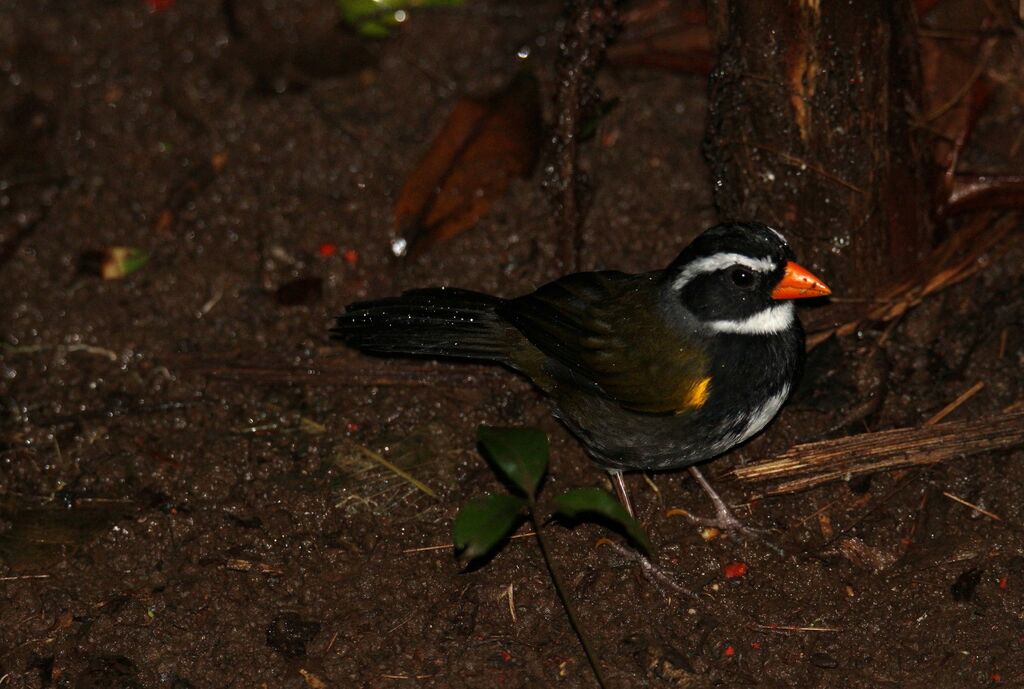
(799, 283)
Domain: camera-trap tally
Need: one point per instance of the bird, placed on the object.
(653, 371)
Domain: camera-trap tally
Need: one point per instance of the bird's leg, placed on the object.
(656, 573)
(724, 518)
(620, 489)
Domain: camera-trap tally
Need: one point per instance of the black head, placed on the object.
(730, 278)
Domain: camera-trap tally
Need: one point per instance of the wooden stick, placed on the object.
(792, 628)
(981, 510)
(955, 404)
(811, 464)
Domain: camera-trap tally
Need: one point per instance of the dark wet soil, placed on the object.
(189, 488)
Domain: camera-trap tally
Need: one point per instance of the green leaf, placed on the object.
(583, 504)
(482, 523)
(520, 454)
(375, 18)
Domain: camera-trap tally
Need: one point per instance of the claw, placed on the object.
(724, 520)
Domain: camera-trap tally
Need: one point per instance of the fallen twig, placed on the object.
(971, 505)
(378, 458)
(20, 577)
(789, 628)
(811, 464)
(60, 349)
(955, 404)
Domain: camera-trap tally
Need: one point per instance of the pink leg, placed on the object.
(724, 518)
(620, 489)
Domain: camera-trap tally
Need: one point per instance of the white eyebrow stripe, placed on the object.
(721, 261)
(777, 234)
(774, 319)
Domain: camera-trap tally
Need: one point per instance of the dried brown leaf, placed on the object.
(484, 144)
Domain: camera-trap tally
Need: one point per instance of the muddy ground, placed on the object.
(187, 496)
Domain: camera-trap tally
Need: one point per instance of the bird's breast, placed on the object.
(746, 386)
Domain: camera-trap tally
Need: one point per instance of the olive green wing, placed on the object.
(604, 332)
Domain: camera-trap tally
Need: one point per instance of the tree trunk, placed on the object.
(810, 130)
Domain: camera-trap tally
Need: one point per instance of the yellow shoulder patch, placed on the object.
(695, 396)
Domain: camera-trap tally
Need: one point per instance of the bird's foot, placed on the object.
(724, 520)
(661, 578)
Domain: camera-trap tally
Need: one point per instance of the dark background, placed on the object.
(186, 495)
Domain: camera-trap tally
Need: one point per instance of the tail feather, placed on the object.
(437, 322)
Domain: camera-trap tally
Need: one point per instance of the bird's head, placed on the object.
(741, 278)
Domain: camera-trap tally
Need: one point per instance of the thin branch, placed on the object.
(588, 28)
(971, 505)
(955, 404)
(790, 628)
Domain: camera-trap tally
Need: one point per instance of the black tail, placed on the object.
(438, 322)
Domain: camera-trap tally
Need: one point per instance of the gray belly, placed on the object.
(621, 439)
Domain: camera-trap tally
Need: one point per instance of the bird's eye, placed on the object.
(742, 278)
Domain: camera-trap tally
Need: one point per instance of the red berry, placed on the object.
(327, 249)
(735, 569)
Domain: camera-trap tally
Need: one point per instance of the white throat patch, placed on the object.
(761, 416)
(721, 261)
(739, 428)
(774, 319)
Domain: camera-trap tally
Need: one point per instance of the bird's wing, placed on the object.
(604, 331)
